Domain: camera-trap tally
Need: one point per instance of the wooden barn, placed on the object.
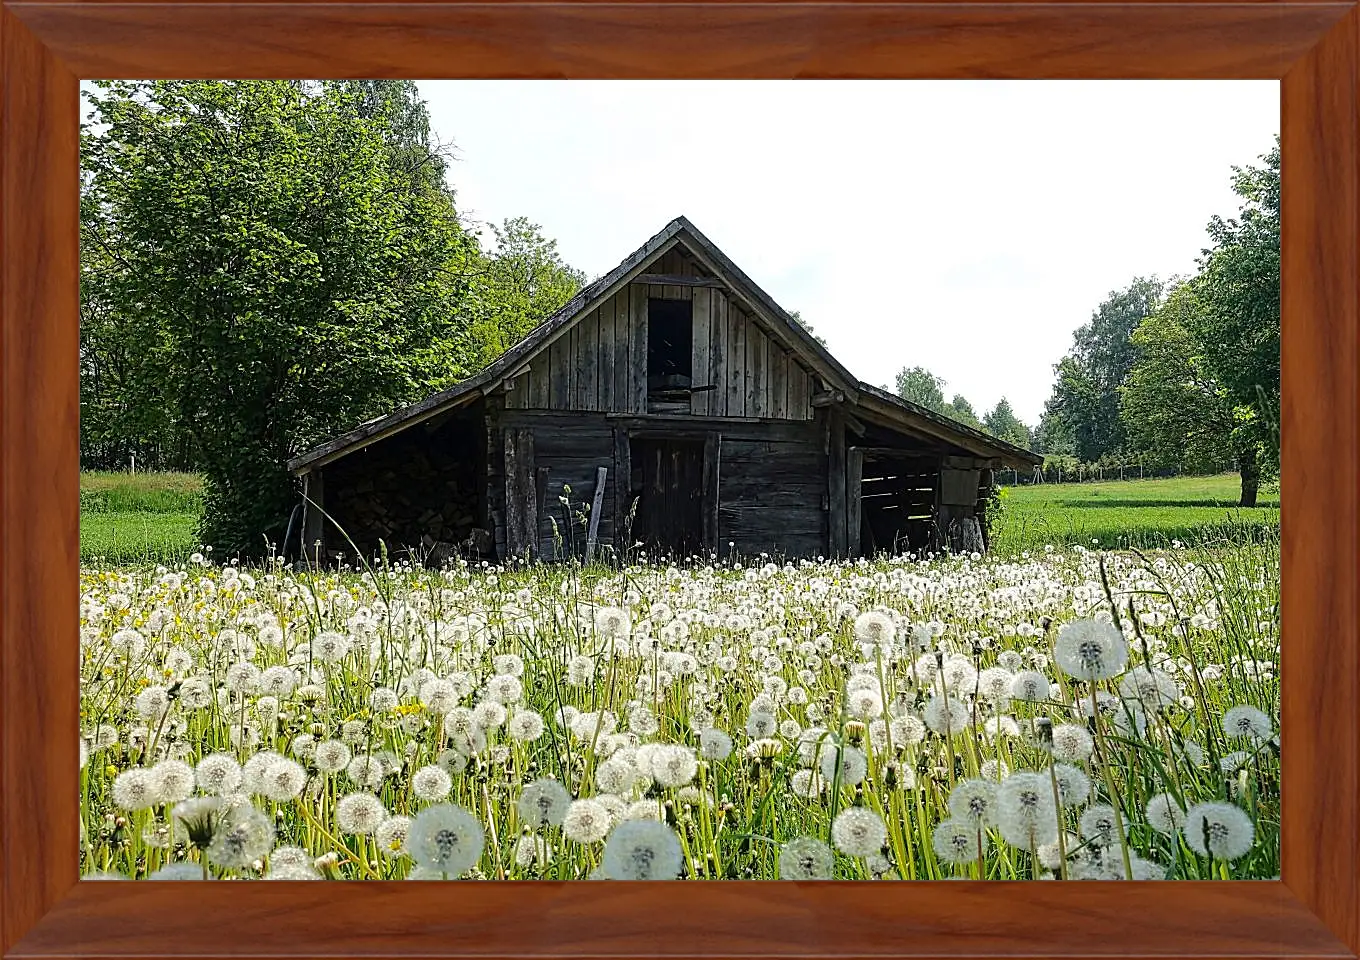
(672, 404)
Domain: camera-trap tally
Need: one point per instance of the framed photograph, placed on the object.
(630, 579)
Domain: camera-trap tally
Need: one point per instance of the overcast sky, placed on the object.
(968, 227)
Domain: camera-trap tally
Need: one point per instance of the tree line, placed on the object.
(263, 265)
(1182, 374)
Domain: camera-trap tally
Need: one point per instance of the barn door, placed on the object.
(669, 477)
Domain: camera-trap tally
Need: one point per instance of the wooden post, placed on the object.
(313, 525)
(540, 508)
(520, 490)
(623, 491)
(596, 506)
(984, 498)
(854, 472)
(711, 481)
(836, 484)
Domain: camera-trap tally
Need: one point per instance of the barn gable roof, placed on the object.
(910, 416)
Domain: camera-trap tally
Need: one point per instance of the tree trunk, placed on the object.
(1249, 466)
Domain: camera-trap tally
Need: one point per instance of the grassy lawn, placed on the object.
(1130, 512)
(141, 517)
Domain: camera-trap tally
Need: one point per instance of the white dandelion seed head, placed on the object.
(853, 765)
(858, 832)
(586, 821)
(1221, 830)
(806, 858)
(244, 836)
(1071, 743)
(947, 715)
(135, 789)
(1164, 814)
(446, 838)
(642, 850)
(525, 726)
(359, 813)
(1026, 815)
(172, 781)
(431, 784)
(714, 744)
(972, 801)
(219, 773)
(1090, 650)
(544, 802)
(391, 836)
(1247, 721)
(956, 841)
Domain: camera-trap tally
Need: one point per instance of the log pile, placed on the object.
(407, 493)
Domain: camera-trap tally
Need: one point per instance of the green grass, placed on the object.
(1131, 513)
(137, 537)
(138, 518)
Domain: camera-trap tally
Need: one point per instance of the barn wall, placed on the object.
(600, 362)
(773, 495)
(772, 479)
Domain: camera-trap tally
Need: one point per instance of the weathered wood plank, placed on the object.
(836, 484)
(574, 370)
(588, 362)
(736, 394)
(623, 353)
(717, 367)
(604, 355)
(799, 396)
(622, 490)
(712, 489)
(779, 381)
(538, 383)
(596, 506)
(700, 310)
(559, 392)
(756, 358)
(521, 515)
(637, 314)
(854, 470)
(679, 280)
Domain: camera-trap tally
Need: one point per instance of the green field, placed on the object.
(150, 517)
(141, 517)
(1121, 513)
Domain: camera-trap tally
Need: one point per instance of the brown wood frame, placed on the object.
(1314, 48)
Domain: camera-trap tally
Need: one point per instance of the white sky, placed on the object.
(966, 226)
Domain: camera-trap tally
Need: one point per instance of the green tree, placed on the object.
(921, 387)
(1084, 406)
(522, 282)
(1174, 409)
(961, 410)
(276, 274)
(1239, 328)
(1002, 422)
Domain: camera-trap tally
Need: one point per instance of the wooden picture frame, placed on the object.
(1313, 48)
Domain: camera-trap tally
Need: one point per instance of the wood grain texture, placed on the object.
(1319, 507)
(595, 40)
(1314, 47)
(39, 534)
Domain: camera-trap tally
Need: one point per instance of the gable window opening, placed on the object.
(670, 345)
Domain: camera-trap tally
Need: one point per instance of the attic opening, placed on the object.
(670, 346)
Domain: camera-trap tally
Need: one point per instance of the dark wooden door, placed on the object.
(668, 476)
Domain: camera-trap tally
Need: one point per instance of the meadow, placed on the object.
(1062, 713)
(1131, 513)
